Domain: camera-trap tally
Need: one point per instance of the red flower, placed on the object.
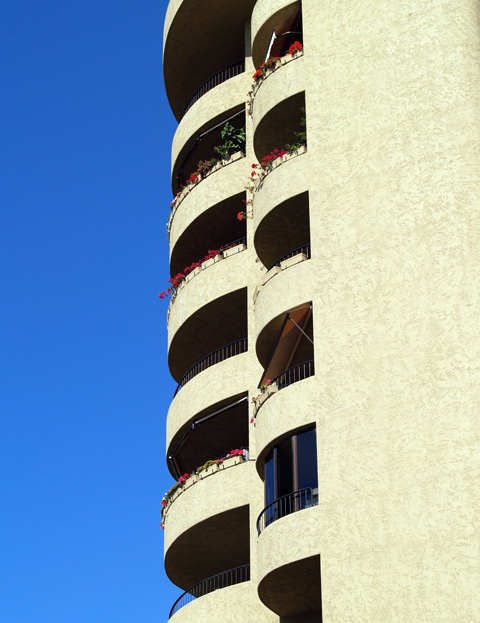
(295, 47)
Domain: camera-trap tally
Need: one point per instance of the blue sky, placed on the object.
(85, 193)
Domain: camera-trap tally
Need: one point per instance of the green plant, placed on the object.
(205, 466)
(204, 166)
(302, 134)
(234, 140)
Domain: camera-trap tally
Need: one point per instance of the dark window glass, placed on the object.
(292, 466)
(285, 468)
(269, 479)
(307, 459)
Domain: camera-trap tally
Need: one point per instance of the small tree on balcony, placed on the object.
(233, 141)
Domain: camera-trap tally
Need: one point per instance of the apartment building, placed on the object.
(323, 325)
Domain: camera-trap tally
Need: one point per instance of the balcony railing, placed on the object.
(296, 373)
(213, 583)
(305, 249)
(286, 505)
(229, 72)
(230, 350)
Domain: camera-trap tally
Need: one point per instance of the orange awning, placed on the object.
(287, 342)
(286, 33)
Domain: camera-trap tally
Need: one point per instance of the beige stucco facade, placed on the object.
(387, 198)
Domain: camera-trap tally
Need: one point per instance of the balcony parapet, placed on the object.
(301, 254)
(288, 557)
(219, 78)
(294, 374)
(290, 409)
(262, 75)
(207, 527)
(259, 179)
(225, 352)
(185, 191)
(286, 505)
(232, 248)
(205, 471)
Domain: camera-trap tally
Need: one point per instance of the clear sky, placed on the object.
(85, 192)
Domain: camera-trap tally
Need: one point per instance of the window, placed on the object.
(291, 481)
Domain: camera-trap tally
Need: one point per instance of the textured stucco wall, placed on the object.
(393, 127)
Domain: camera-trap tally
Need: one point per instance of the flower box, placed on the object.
(236, 156)
(191, 480)
(269, 274)
(231, 461)
(291, 261)
(234, 250)
(264, 396)
(210, 262)
(193, 274)
(212, 469)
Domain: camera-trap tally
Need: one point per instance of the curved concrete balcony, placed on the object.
(212, 389)
(211, 108)
(233, 601)
(290, 289)
(281, 209)
(201, 147)
(266, 15)
(208, 313)
(222, 252)
(277, 108)
(288, 555)
(220, 192)
(274, 420)
(216, 229)
(207, 527)
(199, 40)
